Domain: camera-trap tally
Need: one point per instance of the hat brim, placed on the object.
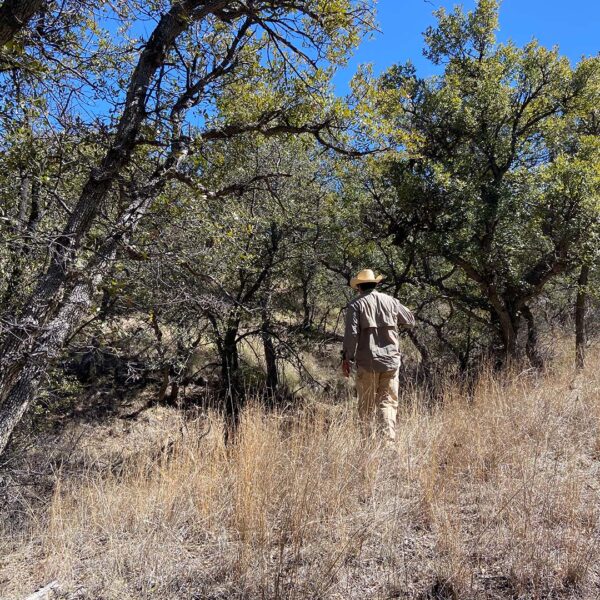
(355, 281)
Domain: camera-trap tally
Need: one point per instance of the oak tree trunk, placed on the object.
(508, 327)
(230, 365)
(306, 307)
(14, 16)
(580, 310)
(272, 381)
(532, 345)
(27, 381)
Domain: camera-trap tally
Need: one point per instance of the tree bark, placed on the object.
(532, 346)
(306, 307)
(164, 384)
(230, 373)
(509, 328)
(14, 16)
(27, 381)
(19, 248)
(230, 359)
(425, 366)
(580, 310)
(502, 309)
(174, 393)
(272, 381)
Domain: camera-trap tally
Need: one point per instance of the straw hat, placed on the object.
(365, 276)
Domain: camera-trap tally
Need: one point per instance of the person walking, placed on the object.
(371, 341)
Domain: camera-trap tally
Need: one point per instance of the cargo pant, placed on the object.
(378, 401)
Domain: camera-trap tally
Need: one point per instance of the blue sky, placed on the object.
(573, 25)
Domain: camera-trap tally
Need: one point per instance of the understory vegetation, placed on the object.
(492, 494)
(184, 199)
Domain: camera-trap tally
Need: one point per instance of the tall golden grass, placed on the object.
(493, 493)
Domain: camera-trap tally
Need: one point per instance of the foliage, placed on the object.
(494, 182)
(183, 197)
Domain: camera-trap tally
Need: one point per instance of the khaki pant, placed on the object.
(378, 400)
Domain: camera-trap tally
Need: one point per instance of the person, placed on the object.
(371, 341)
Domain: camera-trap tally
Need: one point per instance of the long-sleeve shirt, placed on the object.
(371, 335)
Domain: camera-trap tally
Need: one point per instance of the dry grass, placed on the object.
(493, 494)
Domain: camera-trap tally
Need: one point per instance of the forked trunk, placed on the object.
(21, 374)
(306, 307)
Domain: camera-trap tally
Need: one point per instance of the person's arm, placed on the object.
(351, 333)
(405, 318)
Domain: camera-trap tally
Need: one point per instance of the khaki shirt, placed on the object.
(371, 335)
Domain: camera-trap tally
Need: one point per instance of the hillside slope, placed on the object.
(492, 494)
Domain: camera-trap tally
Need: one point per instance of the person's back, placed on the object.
(371, 340)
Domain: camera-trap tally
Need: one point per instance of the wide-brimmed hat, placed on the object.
(365, 276)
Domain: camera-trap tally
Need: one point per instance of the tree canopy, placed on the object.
(180, 181)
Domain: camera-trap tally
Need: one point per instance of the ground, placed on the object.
(491, 492)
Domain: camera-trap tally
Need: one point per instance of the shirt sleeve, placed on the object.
(351, 332)
(405, 317)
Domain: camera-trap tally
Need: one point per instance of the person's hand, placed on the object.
(346, 368)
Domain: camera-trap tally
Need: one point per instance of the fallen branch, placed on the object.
(44, 593)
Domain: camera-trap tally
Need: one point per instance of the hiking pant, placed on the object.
(378, 400)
